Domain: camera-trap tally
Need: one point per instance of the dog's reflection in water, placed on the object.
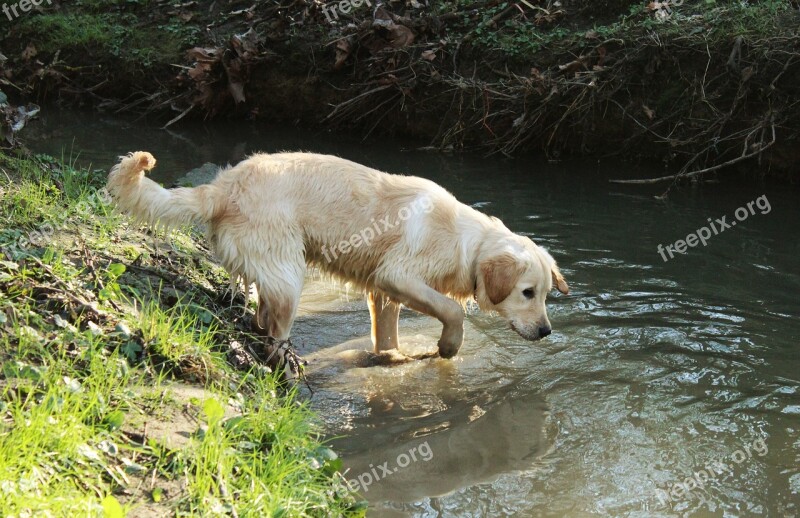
(364, 359)
(476, 446)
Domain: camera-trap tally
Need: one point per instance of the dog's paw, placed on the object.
(448, 349)
(284, 360)
(383, 358)
(450, 341)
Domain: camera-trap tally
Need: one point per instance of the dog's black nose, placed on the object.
(544, 331)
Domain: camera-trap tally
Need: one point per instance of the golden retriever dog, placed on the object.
(404, 240)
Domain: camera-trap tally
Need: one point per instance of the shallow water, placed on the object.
(655, 372)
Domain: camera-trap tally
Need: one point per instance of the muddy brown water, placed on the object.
(666, 389)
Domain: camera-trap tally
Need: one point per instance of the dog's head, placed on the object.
(514, 281)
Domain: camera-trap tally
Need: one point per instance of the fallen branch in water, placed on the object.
(183, 114)
(743, 156)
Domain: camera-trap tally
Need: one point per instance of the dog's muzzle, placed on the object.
(532, 333)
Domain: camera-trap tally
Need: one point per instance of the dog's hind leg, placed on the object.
(260, 321)
(279, 283)
(280, 310)
(278, 297)
(385, 316)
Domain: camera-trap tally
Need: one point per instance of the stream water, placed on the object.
(668, 388)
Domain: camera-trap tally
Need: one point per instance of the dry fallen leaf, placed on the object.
(382, 17)
(203, 54)
(29, 52)
(236, 89)
(400, 36)
(236, 77)
(204, 60)
(601, 56)
(343, 50)
(429, 55)
(388, 80)
(246, 44)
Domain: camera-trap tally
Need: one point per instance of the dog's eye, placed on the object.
(528, 293)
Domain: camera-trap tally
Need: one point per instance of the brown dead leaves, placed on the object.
(429, 55)
(212, 66)
(386, 31)
(400, 36)
(204, 74)
(29, 52)
(396, 35)
(343, 50)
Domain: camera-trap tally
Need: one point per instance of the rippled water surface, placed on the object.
(656, 372)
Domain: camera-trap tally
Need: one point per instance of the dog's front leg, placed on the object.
(385, 315)
(420, 297)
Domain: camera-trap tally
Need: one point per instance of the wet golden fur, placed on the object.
(271, 215)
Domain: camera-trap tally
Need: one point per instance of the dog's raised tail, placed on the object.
(147, 201)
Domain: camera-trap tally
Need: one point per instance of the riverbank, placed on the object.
(127, 383)
(701, 86)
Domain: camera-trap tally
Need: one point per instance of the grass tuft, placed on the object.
(115, 394)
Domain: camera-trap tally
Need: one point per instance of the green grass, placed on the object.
(182, 338)
(520, 37)
(47, 196)
(92, 352)
(261, 454)
(58, 417)
(72, 30)
(109, 31)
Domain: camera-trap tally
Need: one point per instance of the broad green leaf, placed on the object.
(213, 410)
(131, 349)
(112, 508)
(114, 420)
(116, 269)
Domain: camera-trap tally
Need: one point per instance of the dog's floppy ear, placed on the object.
(559, 282)
(500, 274)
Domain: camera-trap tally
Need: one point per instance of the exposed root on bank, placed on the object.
(708, 122)
(749, 150)
(637, 84)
